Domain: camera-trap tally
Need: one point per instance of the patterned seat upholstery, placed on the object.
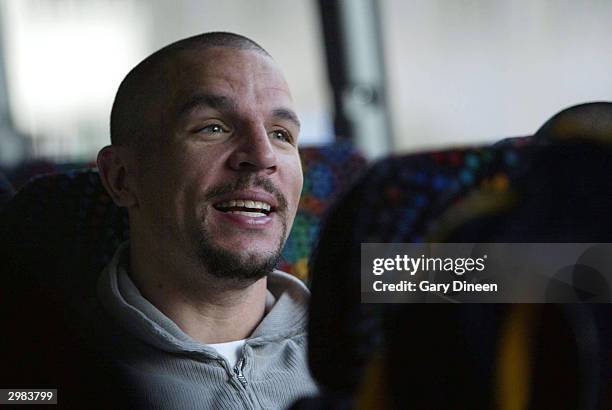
(399, 199)
(328, 172)
(441, 355)
(58, 232)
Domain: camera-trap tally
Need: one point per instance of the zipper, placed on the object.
(238, 371)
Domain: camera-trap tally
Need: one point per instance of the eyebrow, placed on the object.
(286, 114)
(217, 102)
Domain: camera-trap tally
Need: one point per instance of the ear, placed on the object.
(116, 164)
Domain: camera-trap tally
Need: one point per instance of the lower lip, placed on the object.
(246, 222)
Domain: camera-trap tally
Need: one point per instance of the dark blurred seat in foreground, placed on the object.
(548, 188)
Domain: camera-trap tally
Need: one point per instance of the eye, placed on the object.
(215, 128)
(281, 135)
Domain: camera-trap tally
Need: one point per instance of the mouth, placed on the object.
(245, 207)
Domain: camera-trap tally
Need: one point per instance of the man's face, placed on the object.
(223, 186)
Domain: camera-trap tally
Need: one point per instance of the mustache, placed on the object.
(246, 181)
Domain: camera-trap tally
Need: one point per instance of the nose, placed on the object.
(254, 152)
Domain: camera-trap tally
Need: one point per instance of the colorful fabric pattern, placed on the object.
(328, 172)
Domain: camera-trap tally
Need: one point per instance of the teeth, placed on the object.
(245, 203)
(251, 214)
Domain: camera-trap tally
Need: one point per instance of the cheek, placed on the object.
(166, 190)
(163, 199)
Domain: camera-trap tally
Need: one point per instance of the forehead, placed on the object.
(245, 76)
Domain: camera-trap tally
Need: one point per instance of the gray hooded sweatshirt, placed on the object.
(167, 369)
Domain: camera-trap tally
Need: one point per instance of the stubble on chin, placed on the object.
(234, 266)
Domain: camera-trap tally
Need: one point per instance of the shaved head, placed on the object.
(201, 130)
(135, 116)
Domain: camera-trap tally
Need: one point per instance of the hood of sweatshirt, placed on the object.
(286, 310)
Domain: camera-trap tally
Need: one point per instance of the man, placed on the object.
(204, 157)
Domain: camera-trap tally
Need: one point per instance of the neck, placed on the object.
(207, 308)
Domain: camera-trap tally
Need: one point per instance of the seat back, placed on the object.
(399, 199)
(328, 172)
(442, 355)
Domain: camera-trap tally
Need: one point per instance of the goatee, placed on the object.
(225, 263)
